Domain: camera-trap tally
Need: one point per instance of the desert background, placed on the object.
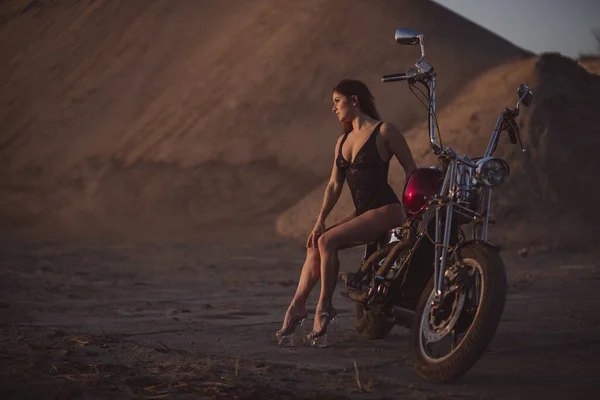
(162, 163)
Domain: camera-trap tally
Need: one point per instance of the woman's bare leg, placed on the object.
(309, 276)
(360, 230)
(311, 272)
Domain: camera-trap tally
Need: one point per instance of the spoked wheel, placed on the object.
(377, 322)
(374, 322)
(448, 339)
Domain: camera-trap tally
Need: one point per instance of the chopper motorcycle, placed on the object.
(428, 275)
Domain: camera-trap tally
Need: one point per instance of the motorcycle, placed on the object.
(428, 275)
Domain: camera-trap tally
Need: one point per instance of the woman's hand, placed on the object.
(315, 234)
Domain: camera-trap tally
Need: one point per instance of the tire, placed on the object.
(370, 324)
(374, 324)
(481, 330)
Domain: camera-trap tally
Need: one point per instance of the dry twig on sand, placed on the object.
(163, 345)
(357, 377)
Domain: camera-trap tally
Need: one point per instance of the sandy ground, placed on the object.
(188, 320)
(110, 130)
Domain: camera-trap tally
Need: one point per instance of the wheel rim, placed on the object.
(449, 328)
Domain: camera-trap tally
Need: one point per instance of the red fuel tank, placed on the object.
(420, 186)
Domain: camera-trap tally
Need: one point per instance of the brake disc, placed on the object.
(433, 331)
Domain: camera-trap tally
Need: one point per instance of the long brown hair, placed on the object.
(366, 101)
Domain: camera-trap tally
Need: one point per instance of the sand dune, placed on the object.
(179, 116)
(548, 197)
(592, 64)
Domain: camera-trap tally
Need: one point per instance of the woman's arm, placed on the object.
(332, 194)
(333, 189)
(397, 146)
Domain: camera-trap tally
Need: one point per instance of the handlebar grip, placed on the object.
(394, 77)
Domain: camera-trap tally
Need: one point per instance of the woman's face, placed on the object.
(344, 107)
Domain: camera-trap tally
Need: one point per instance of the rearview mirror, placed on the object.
(408, 37)
(525, 94)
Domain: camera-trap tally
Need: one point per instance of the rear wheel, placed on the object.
(377, 322)
(448, 340)
(372, 324)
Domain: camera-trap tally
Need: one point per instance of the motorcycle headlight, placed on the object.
(491, 171)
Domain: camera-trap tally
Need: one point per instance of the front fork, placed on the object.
(440, 260)
(442, 245)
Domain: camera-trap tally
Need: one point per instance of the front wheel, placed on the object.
(448, 340)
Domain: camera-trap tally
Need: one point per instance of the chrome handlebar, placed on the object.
(394, 77)
(506, 121)
(412, 76)
(425, 75)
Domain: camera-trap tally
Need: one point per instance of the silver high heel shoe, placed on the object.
(297, 326)
(319, 338)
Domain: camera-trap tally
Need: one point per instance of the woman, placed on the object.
(362, 156)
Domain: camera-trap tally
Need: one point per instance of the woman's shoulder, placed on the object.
(388, 129)
(339, 141)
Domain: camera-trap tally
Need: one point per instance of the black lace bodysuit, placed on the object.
(367, 176)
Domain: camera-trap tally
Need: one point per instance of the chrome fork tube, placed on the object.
(440, 262)
(488, 214)
(438, 238)
(446, 186)
(494, 139)
(474, 234)
(438, 230)
(432, 136)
